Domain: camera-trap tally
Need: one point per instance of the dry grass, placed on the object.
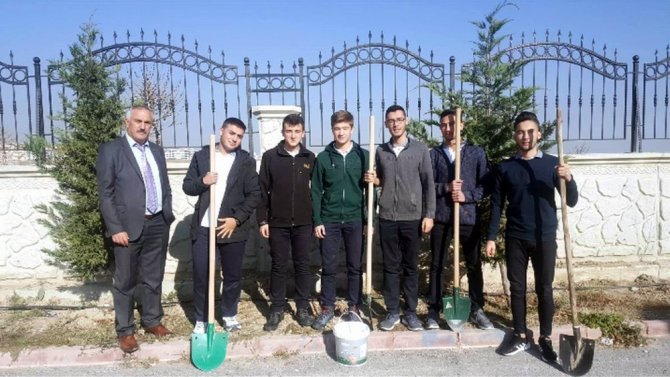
(21, 329)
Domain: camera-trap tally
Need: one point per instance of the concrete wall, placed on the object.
(620, 229)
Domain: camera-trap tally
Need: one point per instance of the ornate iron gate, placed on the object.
(192, 90)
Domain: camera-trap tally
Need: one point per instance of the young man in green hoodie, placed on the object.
(338, 211)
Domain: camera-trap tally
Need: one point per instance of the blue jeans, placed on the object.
(352, 235)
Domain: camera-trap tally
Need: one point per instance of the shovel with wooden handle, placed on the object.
(208, 350)
(370, 227)
(457, 307)
(575, 352)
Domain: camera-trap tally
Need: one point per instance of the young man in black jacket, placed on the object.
(285, 219)
(237, 194)
(528, 182)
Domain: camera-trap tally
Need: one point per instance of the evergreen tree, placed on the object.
(94, 116)
(493, 102)
(490, 104)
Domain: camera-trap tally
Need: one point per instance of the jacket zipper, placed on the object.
(293, 191)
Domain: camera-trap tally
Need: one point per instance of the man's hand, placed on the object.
(320, 232)
(210, 178)
(426, 225)
(563, 171)
(455, 185)
(120, 238)
(226, 229)
(490, 249)
(265, 230)
(371, 176)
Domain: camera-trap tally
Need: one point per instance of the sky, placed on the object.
(283, 31)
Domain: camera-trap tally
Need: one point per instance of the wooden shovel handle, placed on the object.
(457, 205)
(212, 230)
(566, 225)
(370, 204)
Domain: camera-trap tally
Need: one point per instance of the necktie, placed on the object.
(149, 183)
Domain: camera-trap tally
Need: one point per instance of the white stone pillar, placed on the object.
(270, 122)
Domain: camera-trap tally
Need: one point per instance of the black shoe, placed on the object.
(350, 316)
(305, 317)
(273, 321)
(547, 351)
(322, 320)
(515, 345)
(480, 320)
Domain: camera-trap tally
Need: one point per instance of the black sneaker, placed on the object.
(305, 317)
(273, 321)
(389, 322)
(411, 322)
(479, 319)
(547, 351)
(431, 322)
(322, 320)
(515, 345)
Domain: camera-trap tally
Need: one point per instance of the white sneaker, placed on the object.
(231, 324)
(199, 327)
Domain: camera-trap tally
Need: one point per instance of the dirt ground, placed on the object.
(27, 327)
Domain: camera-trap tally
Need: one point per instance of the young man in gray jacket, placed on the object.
(406, 209)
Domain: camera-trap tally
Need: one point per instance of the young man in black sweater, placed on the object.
(527, 182)
(285, 218)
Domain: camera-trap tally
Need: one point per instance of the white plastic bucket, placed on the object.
(351, 341)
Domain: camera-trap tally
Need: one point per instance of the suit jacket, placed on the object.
(243, 192)
(121, 188)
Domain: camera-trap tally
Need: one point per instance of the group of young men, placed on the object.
(297, 196)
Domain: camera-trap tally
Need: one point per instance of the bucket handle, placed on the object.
(339, 319)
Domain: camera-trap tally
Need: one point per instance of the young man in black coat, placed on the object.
(237, 194)
(284, 217)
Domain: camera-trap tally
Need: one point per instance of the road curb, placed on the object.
(280, 345)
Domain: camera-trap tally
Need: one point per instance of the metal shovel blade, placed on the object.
(208, 350)
(576, 354)
(456, 310)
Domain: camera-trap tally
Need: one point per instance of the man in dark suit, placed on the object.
(136, 206)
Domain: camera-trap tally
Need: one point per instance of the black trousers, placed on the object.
(440, 239)
(543, 256)
(231, 256)
(351, 234)
(286, 244)
(400, 242)
(141, 263)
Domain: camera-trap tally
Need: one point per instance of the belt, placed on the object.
(151, 217)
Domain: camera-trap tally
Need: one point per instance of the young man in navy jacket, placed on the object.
(527, 182)
(467, 191)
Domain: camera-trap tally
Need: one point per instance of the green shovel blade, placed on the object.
(208, 350)
(456, 310)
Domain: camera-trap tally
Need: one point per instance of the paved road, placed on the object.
(651, 360)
